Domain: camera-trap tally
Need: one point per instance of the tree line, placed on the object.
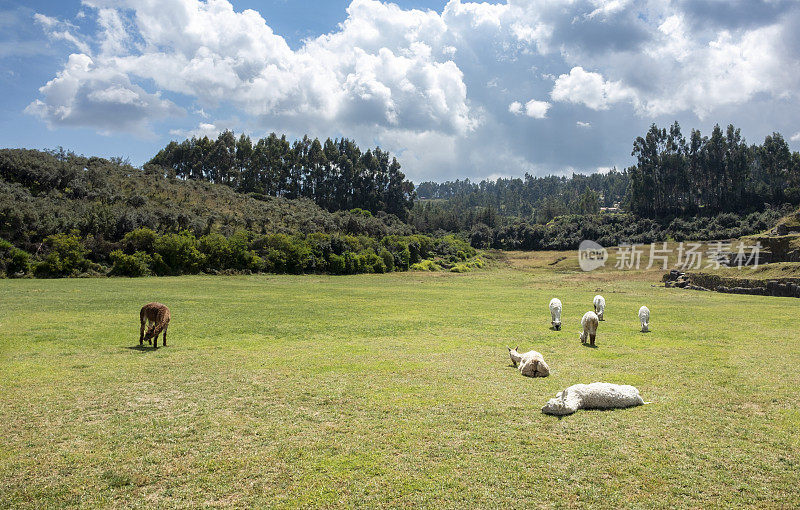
(143, 252)
(62, 214)
(460, 205)
(676, 176)
(673, 178)
(46, 193)
(335, 174)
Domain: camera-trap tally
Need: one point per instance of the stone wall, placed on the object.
(781, 287)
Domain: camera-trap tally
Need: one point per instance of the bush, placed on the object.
(179, 253)
(138, 264)
(426, 265)
(18, 262)
(216, 251)
(388, 260)
(66, 257)
(371, 263)
(405, 259)
(286, 254)
(141, 239)
(13, 261)
(336, 264)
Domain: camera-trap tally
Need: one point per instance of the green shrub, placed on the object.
(286, 254)
(13, 261)
(66, 257)
(18, 262)
(477, 262)
(371, 263)
(405, 259)
(216, 250)
(336, 264)
(388, 260)
(460, 268)
(141, 239)
(426, 265)
(138, 264)
(179, 253)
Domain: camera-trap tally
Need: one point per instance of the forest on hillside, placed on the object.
(706, 187)
(335, 174)
(62, 214)
(306, 206)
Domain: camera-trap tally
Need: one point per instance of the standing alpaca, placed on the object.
(599, 306)
(157, 315)
(531, 363)
(589, 324)
(555, 313)
(644, 318)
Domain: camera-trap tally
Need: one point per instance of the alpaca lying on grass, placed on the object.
(555, 313)
(644, 318)
(589, 324)
(597, 395)
(531, 363)
(599, 306)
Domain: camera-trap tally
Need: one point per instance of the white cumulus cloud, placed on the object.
(83, 94)
(436, 88)
(537, 109)
(589, 89)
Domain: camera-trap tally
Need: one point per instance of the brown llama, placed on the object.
(157, 315)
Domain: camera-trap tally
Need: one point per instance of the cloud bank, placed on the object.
(475, 90)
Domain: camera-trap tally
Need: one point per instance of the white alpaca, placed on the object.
(597, 395)
(599, 306)
(531, 363)
(644, 318)
(589, 324)
(555, 313)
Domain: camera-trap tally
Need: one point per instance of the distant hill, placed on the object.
(44, 193)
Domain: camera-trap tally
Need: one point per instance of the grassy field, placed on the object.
(393, 390)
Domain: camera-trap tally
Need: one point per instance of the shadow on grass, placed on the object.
(590, 346)
(142, 348)
(589, 410)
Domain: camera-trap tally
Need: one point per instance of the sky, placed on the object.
(454, 89)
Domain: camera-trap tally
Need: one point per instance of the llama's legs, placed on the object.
(165, 335)
(591, 340)
(141, 333)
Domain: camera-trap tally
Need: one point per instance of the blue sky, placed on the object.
(455, 89)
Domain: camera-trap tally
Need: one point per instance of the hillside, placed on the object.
(45, 193)
(67, 215)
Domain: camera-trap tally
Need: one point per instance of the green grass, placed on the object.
(393, 390)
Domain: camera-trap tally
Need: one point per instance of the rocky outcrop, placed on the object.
(782, 287)
(676, 278)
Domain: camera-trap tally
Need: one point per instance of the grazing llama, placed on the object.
(644, 318)
(555, 313)
(599, 306)
(597, 395)
(157, 316)
(531, 363)
(589, 324)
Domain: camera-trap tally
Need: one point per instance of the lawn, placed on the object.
(393, 390)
